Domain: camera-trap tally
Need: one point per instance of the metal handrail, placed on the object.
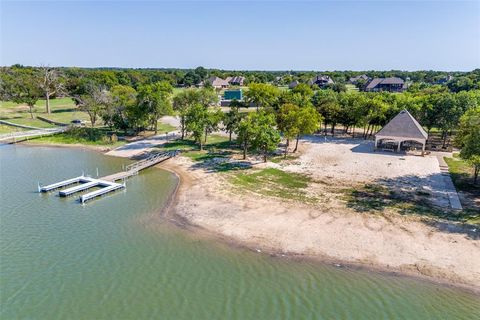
(151, 159)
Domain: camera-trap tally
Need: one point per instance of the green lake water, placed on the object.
(113, 258)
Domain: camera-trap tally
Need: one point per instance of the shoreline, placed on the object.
(172, 214)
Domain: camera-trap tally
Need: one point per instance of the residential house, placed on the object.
(293, 84)
(391, 84)
(235, 81)
(356, 79)
(444, 80)
(217, 83)
(321, 81)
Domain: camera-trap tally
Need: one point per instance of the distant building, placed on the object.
(444, 79)
(293, 84)
(363, 77)
(235, 81)
(392, 84)
(217, 83)
(321, 81)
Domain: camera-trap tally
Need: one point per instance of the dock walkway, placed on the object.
(108, 183)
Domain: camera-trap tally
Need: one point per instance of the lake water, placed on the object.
(114, 258)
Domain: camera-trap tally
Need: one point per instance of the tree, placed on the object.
(308, 122)
(25, 89)
(189, 98)
(196, 121)
(261, 95)
(121, 113)
(326, 103)
(288, 123)
(265, 137)
(245, 133)
(156, 99)
(93, 102)
(214, 117)
(232, 119)
(468, 138)
(50, 84)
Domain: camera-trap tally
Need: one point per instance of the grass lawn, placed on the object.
(351, 87)
(9, 129)
(276, 183)
(94, 137)
(462, 174)
(64, 110)
(30, 122)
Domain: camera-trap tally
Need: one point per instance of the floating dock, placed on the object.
(107, 184)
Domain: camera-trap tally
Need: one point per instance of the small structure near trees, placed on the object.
(401, 133)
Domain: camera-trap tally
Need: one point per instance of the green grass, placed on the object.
(351, 87)
(276, 183)
(31, 122)
(9, 129)
(462, 174)
(82, 135)
(63, 110)
(165, 127)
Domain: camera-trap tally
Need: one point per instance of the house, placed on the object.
(235, 81)
(444, 80)
(217, 83)
(321, 81)
(401, 133)
(356, 79)
(293, 84)
(392, 84)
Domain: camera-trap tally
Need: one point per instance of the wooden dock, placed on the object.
(107, 184)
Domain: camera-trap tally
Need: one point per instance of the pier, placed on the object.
(108, 183)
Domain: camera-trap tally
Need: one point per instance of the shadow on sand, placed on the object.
(413, 195)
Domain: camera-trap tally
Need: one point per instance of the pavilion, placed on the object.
(401, 133)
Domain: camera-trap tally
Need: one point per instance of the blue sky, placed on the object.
(267, 35)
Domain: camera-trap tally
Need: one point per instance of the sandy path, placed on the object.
(442, 252)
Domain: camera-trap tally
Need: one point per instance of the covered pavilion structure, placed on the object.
(403, 132)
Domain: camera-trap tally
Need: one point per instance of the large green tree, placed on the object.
(308, 122)
(196, 121)
(288, 122)
(156, 99)
(265, 137)
(122, 111)
(232, 118)
(94, 101)
(186, 99)
(262, 95)
(468, 138)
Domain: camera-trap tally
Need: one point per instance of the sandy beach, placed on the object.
(439, 251)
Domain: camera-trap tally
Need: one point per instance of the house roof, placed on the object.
(376, 81)
(236, 79)
(356, 78)
(293, 84)
(403, 125)
(217, 82)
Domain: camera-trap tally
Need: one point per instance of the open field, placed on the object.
(63, 111)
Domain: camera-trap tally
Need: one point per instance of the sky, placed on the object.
(243, 35)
